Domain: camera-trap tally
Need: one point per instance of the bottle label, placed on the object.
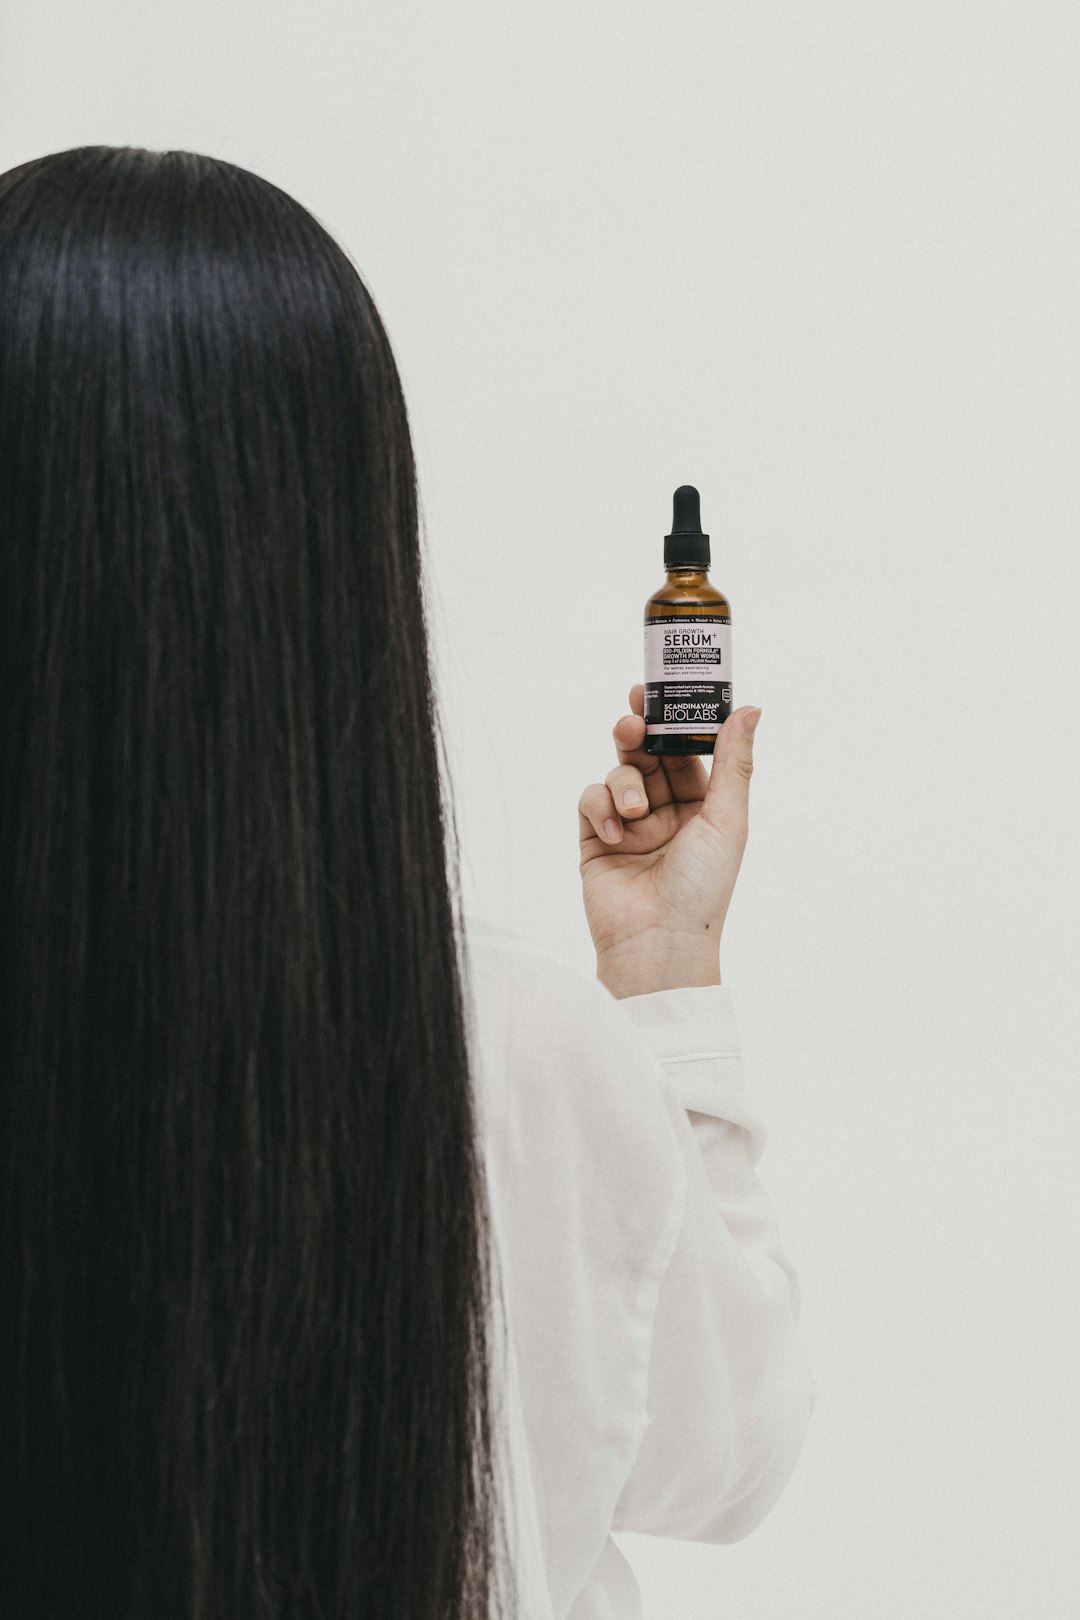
(687, 675)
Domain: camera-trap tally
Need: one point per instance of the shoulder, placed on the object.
(547, 996)
(499, 953)
(551, 1037)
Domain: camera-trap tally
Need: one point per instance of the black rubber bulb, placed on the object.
(686, 518)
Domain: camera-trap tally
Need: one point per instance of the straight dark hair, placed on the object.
(246, 1281)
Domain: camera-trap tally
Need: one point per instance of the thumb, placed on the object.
(727, 796)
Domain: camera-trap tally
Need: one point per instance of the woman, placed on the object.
(347, 1270)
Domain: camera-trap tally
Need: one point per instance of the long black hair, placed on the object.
(244, 1263)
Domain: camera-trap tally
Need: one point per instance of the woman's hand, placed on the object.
(657, 879)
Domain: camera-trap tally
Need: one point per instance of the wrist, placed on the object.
(669, 962)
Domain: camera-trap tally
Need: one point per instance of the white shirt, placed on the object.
(652, 1378)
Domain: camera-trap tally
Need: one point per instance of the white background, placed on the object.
(819, 260)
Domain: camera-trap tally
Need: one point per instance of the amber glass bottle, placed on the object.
(688, 692)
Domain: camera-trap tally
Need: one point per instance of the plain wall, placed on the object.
(821, 261)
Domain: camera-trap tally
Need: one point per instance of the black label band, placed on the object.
(682, 705)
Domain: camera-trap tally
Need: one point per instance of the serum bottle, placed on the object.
(687, 642)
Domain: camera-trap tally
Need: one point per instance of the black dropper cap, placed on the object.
(686, 545)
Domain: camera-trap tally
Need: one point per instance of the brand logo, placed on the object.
(676, 712)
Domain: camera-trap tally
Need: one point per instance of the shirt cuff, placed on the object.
(692, 1030)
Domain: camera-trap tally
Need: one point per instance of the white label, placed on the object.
(690, 649)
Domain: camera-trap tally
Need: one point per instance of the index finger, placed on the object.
(667, 776)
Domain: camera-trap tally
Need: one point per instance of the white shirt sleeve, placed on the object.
(730, 1389)
(655, 1380)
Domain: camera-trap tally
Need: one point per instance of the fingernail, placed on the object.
(612, 829)
(632, 798)
(750, 720)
